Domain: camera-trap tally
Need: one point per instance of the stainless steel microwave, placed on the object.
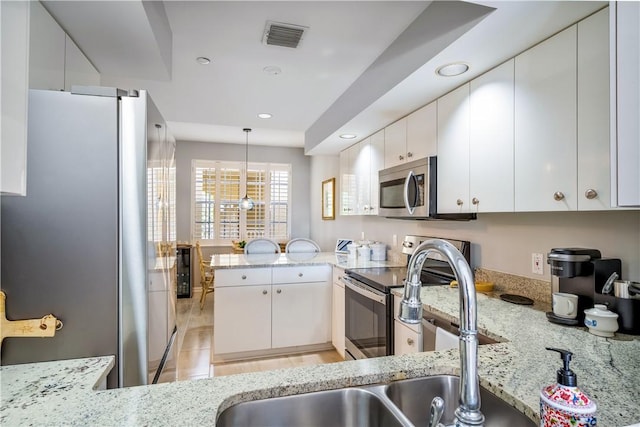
(410, 191)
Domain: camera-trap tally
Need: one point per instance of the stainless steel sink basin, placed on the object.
(400, 403)
(414, 396)
(344, 407)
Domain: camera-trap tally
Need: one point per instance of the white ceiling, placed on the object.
(139, 45)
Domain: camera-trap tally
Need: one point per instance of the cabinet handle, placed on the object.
(558, 195)
(591, 194)
(279, 291)
(459, 202)
(409, 154)
(400, 157)
(244, 277)
(475, 201)
(300, 274)
(264, 292)
(410, 341)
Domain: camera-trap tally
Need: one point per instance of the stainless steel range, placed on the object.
(369, 303)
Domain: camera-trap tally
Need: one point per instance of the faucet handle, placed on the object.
(436, 411)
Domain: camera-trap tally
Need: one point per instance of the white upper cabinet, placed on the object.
(14, 39)
(625, 87)
(376, 142)
(78, 70)
(545, 125)
(453, 151)
(395, 143)
(594, 187)
(491, 140)
(363, 177)
(348, 184)
(422, 133)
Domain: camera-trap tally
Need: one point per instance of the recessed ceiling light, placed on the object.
(265, 115)
(202, 60)
(272, 69)
(450, 70)
(347, 136)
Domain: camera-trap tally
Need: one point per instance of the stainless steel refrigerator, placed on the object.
(93, 241)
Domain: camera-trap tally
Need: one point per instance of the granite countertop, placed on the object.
(515, 370)
(291, 259)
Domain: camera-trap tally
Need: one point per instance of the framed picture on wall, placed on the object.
(328, 199)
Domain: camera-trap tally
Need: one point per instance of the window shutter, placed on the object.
(229, 199)
(204, 209)
(279, 206)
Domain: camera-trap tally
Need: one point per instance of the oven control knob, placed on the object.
(407, 244)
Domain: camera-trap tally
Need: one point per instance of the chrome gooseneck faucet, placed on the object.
(468, 412)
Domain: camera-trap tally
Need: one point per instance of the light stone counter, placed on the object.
(291, 259)
(59, 393)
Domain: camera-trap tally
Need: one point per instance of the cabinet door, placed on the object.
(242, 319)
(337, 318)
(627, 89)
(405, 340)
(78, 70)
(545, 125)
(363, 177)
(453, 151)
(491, 140)
(377, 163)
(46, 50)
(395, 143)
(347, 181)
(422, 133)
(301, 314)
(14, 52)
(594, 166)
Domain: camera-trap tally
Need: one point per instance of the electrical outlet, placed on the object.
(362, 236)
(537, 266)
(394, 240)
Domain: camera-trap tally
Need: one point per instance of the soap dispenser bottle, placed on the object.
(564, 404)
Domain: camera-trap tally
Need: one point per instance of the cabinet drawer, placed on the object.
(301, 274)
(242, 277)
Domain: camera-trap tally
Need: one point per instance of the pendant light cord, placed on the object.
(246, 151)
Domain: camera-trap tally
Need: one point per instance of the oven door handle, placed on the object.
(407, 180)
(364, 292)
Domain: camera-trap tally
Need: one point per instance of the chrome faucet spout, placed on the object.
(468, 412)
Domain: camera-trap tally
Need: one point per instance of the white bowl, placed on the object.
(601, 321)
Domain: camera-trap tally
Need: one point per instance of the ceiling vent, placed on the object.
(281, 34)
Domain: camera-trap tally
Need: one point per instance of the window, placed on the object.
(217, 189)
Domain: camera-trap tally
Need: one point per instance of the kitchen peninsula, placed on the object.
(515, 370)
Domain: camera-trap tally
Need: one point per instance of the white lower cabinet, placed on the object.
(406, 339)
(301, 314)
(259, 309)
(242, 319)
(337, 317)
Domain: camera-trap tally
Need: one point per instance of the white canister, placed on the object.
(364, 253)
(378, 252)
(353, 250)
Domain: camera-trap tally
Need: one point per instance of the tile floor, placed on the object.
(195, 344)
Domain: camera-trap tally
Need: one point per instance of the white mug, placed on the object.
(565, 305)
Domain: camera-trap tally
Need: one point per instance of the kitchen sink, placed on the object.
(343, 407)
(399, 403)
(413, 397)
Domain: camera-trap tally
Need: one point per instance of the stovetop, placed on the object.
(385, 278)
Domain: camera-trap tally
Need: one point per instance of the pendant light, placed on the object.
(246, 203)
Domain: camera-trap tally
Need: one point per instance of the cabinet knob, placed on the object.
(279, 291)
(300, 274)
(400, 157)
(558, 195)
(591, 194)
(410, 341)
(264, 292)
(409, 154)
(459, 202)
(475, 201)
(244, 277)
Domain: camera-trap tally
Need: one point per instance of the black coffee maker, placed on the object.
(582, 272)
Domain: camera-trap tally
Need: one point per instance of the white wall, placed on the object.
(502, 242)
(186, 151)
